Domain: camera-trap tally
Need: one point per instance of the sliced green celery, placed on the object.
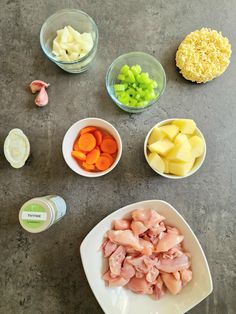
(154, 84)
(130, 76)
(132, 102)
(124, 69)
(119, 87)
(124, 99)
(121, 77)
(131, 91)
(136, 69)
(136, 88)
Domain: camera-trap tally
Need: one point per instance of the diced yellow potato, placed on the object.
(170, 130)
(186, 126)
(156, 162)
(180, 139)
(180, 152)
(181, 168)
(197, 145)
(161, 147)
(156, 135)
(166, 162)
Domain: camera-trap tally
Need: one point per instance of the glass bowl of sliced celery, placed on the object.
(135, 81)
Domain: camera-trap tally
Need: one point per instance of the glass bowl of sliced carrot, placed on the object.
(92, 147)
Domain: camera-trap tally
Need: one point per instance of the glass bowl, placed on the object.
(148, 64)
(81, 22)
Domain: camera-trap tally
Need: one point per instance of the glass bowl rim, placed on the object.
(151, 103)
(55, 15)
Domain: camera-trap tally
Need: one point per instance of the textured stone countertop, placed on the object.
(43, 274)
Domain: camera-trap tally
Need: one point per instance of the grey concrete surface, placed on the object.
(43, 274)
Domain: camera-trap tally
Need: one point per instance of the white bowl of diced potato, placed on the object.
(175, 148)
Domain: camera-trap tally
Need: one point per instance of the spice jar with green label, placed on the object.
(40, 213)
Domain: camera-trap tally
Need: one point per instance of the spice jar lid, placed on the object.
(36, 215)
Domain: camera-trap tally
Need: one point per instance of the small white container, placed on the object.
(40, 213)
(16, 148)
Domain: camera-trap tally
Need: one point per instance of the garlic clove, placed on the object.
(36, 85)
(42, 98)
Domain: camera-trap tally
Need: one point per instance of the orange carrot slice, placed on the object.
(76, 145)
(108, 156)
(98, 135)
(92, 157)
(87, 142)
(105, 136)
(103, 163)
(109, 146)
(88, 129)
(87, 166)
(114, 155)
(78, 155)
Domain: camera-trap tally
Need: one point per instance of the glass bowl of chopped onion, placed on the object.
(135, 81)
(69, 38)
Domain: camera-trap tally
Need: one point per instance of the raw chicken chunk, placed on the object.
(140, 285)
(116, 260)
(172, 284)
(122, 224)
(168, 241)
(149, 217)
(173, 265)
(124, 237)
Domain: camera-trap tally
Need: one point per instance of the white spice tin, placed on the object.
(39, 214)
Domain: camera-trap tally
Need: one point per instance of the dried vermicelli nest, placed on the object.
(203, 55)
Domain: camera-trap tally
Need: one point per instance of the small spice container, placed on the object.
(39, 214)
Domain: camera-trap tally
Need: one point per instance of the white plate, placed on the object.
(122, 301)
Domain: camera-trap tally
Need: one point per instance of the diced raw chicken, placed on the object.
(139, 285)
(155, 231)
(159, 288)
(122, 224)
(172, 230)
(138, 227)
(152, 275)
(149, 217)
(147, 247)
(175, 264)
(109, 248)
(115, 282)
(186, 276)
(161, 235)
(142, 263)
(116, 260)
(139, 274)
(173, 285)
(124, 237)
(146, 256)
(131, 251)
(127, 271)
(173, 252)
(176, 274)
(168, 241)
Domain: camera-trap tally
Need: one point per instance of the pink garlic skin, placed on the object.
(42, 98)
(36, 85)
